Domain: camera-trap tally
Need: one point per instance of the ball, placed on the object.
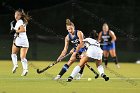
(89, 79)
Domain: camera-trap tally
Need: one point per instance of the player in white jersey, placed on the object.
(93, 51)
(20, 41)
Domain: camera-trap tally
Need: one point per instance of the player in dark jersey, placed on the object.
(75, 37)
(108, 38)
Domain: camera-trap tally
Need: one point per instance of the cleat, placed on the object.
(105, 77)
(57, 77)
(105, 66)
(24, 73)
(117, 65)
(69, 79)
(78, 76)
(14, 69)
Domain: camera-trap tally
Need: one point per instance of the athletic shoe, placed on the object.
(14, 68)
(78, 76)
(57, 77)
(118, 66)
(105, 66)
(69, 79)
(24, 73)
(105, 77)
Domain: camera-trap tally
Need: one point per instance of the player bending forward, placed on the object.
(75, 37)
(94, 51)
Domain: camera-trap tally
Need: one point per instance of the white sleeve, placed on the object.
(18, 24)
(85, 40)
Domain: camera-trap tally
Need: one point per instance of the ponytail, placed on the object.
(69, 23)
(24, 16)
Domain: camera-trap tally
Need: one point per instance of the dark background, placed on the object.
(46, 30)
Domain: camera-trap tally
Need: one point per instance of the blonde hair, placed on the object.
(105, 24)
(69, 23)
(24, 16)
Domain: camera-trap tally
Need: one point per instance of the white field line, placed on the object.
(63, 78)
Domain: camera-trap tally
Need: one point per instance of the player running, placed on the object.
(93, 51)
(108, 38)
(75, 37)
(20, 41)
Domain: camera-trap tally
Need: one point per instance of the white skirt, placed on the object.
(21, 42)
(94, 52)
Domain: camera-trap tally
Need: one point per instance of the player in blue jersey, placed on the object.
(75, 37)
(108, 38)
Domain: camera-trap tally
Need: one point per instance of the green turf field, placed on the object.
(123, 80)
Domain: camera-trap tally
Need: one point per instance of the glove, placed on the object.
(12, 25)
(12, 30)
(77, 56)
(59, 59)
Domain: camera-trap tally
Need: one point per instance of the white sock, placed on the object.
(100, 69)
(24, 64)
(75, 71)
(14, 59)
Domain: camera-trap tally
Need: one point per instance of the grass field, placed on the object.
(123, 80)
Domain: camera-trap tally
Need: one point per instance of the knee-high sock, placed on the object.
(100, 69)
(75, 71)
(24, 64)
(106, 60)
(115, 59)
(82, 69)
(14, 59)
(63, 70)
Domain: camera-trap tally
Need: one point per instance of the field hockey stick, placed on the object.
(97, 75)
(52, 64)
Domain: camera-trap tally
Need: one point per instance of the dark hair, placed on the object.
(93, 34)
(69, 23)
(24, 16)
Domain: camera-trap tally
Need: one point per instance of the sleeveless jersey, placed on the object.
(106, 37)
(74, 40)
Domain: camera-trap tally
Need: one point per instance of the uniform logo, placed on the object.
(76, 42)
(105, 38)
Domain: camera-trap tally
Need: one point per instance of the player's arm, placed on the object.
(112, 34)
(99, 37)
(81, 37)
(21, 29)
(63, 53)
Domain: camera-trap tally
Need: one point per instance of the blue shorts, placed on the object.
(81, 50)
(109, 47)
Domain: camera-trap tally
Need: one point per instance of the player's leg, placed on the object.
(23, 52)
(77, 68)
(106, 54)
(66, 67)
(79, 56)
(80, 74)
(101, 69)
(14, 57)
(114, 57)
